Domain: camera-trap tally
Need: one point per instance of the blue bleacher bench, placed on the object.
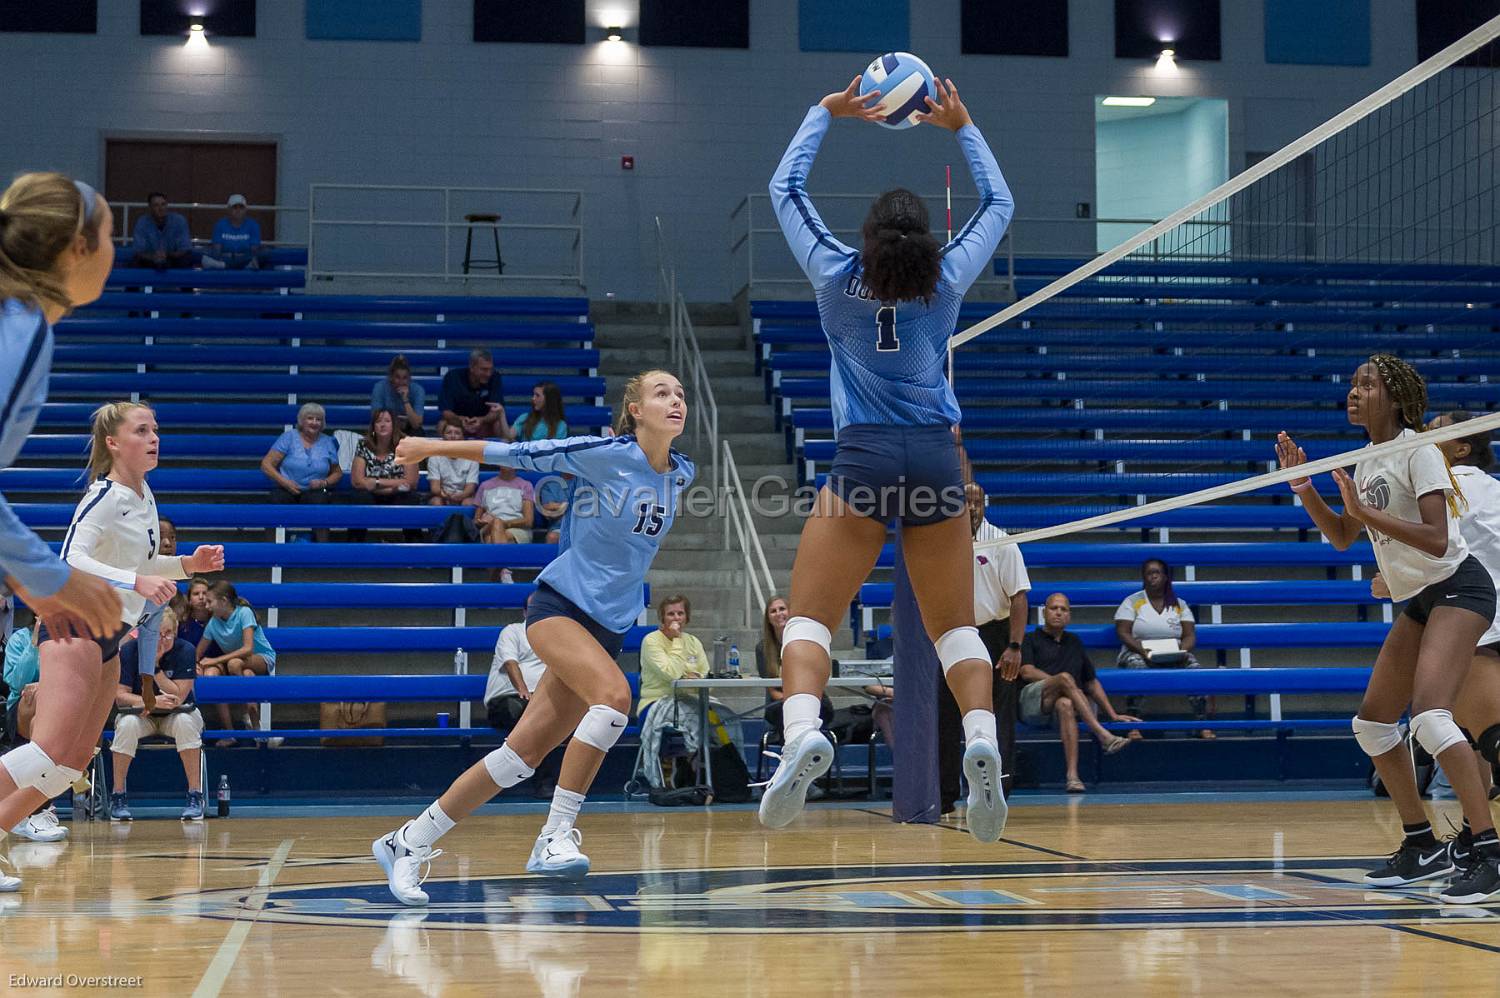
(1067, 554)
(581, 418)
(215, 329)
(396, 595)
(249, 554)
(205, 304)
(1260, 270)
(1059, 451)
(516, 389)
(1283, 291)
(1256, 592)
(202, 357)
(168, 480)
(1001, 483)
(241, 280)
(1183, 420)
(1250, 636)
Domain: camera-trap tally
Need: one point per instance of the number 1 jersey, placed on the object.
(889, 358)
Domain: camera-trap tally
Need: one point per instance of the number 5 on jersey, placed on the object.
(885, 330)
(649, 519)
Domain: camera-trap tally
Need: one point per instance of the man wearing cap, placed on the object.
(161, 238)
(236, 239)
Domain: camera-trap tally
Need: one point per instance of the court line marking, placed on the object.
(1429, 934)
(218, 969)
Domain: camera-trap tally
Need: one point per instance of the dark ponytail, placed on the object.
(901, 259)
(1481, 452)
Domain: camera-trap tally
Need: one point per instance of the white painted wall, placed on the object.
(705, 126)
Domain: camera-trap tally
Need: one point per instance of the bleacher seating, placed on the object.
(241, 280)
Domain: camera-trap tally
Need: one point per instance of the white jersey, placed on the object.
(999, 574)
(114, 535)
(1393, 483)
(1480, 526)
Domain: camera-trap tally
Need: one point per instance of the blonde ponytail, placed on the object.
(625, 422)
(40, 216)
(107, 420)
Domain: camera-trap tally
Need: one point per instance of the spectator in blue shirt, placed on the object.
(398, 395)
(303, 463)
(236, 239)
(544, 419)
(176, 716)
(161, 238)
(22, 668)
(472, 396)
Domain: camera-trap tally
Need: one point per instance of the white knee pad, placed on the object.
(960, 645)
(601, 727)
(29, 766)
(807, 629)
(1436, 731)
(505, 767)
(1375, 737)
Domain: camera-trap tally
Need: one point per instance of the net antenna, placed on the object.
(1418, 74)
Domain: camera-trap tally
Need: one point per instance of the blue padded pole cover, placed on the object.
(917, 673)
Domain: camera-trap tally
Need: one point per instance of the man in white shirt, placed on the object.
(514, 674)
(1000, 609)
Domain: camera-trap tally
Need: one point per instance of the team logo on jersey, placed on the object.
(1248, 893)
(1377, 493)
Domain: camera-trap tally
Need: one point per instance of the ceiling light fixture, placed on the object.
(1128, 101)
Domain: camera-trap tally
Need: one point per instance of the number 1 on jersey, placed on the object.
(885, 329)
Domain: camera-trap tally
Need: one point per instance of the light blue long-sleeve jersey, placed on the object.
(889, 358)
(620, 510)
(25, 363)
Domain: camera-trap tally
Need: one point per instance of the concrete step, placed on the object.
(682, 558)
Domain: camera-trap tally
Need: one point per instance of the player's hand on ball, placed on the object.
(948, 110)
(848, 103)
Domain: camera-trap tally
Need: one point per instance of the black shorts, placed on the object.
(108, 647)
(548, 602)
(910, 473)
(1469, 588)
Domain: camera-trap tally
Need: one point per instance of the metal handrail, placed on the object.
(687, 361)
(123, 233)
(739, 527)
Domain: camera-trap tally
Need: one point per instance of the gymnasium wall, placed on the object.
(705, 126)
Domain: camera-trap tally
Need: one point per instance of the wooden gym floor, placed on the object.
(1244, 897)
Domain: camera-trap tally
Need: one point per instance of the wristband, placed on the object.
(1013, 646)
(1301, 488)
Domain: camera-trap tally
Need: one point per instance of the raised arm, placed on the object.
(818, 253)
(1341, 529)
(970, 252)
(586, 457)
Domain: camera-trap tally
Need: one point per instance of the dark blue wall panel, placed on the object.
(872, 26)
(1325, 33)
(368, 20)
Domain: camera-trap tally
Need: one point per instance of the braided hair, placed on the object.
(1408, 394)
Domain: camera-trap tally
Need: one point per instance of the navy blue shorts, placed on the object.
(910, 473)
(108, 647)
(548, 602)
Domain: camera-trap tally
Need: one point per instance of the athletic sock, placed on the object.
(1487, 843)
(427, 827)
(1419, 834)
(980, 724)
(800, 713)
(565, 807)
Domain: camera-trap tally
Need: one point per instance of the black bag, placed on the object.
(681, 797)
(731, 777)
(457, 529)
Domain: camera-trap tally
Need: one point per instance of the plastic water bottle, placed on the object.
(223, 795)
(734, 661)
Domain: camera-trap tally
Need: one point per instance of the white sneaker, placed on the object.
(8, 883)
(405, 867)
(987, 808)
(41, 827)
(557, 855)
(802, 762)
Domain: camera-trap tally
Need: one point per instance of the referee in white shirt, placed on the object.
(1000, 610)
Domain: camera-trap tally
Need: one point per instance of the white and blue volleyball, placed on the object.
(904, 82)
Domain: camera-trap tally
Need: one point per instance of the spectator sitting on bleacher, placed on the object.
(176, 716)
(236, 240)
(22, 672)
(473, 395)
(768, 665)
(161, 238)
(1157, 631)
(303, 463)
(669, 653)
(398, 395)
(233, 644)
(544, 420)
(1060, 684)
(506, 505)
(453, 480)
(552, 505)
(514, 674)
(192, 612)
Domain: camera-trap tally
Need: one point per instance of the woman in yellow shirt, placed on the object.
(669, 653)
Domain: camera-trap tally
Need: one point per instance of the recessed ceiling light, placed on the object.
(1128, 101)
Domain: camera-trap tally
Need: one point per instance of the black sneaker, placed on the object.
(1479, 881)
(1412, 864)
(1460, 848)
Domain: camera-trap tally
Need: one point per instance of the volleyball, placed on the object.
(904, 82)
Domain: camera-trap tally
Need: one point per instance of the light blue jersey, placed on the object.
(889, 358)
(621, 509)
(25, 363)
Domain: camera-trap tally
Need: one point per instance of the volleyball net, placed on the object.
(1147, 385)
